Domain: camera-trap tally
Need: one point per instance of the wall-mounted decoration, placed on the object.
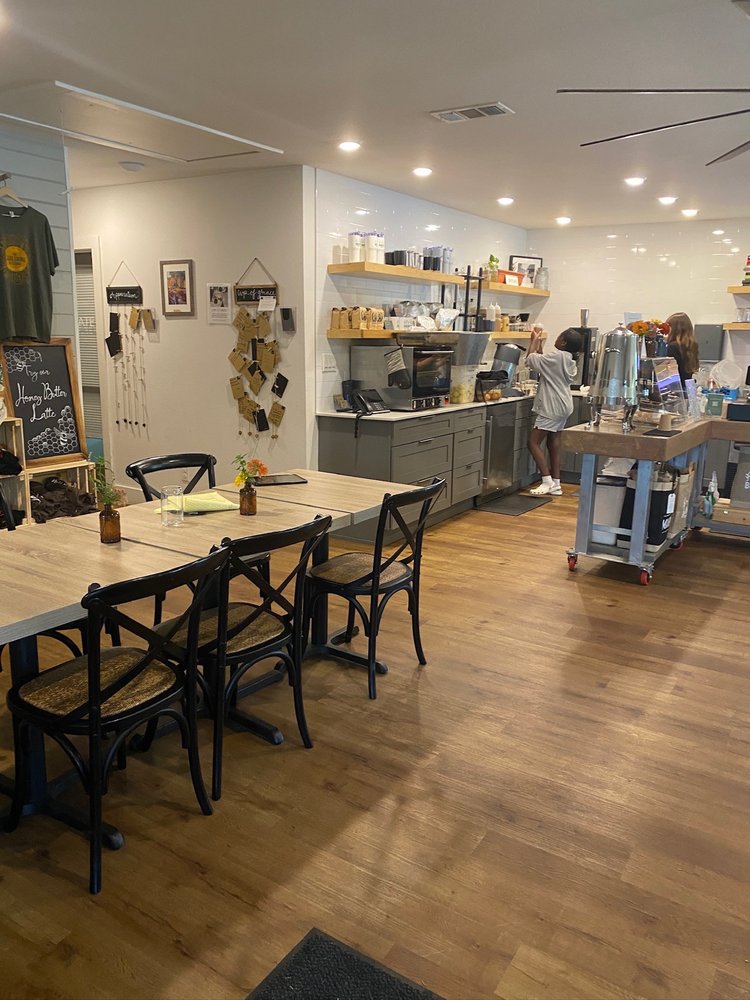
(177, 298)
(41, 387)
(219, 305)
(244, 292)
(525, 265)
(124, 295)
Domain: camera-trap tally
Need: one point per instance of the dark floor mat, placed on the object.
(322, 968)
(515, 504)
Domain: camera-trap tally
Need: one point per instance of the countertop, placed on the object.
(396, 415)
(612, 441)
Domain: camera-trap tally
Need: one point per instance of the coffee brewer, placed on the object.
(615, 382)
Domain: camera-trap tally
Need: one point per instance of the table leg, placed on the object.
(586, 495)
(641, 505)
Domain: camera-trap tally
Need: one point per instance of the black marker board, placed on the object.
(124, 295)
(254, 293)
(42, 389)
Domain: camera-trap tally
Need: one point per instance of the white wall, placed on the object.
(220, 223)
(39, 177)
(404, 220)
(654, 269)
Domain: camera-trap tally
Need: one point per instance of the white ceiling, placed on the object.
(303, 74)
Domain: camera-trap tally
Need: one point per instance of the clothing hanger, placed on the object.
(6, 191)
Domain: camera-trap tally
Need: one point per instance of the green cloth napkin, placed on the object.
(194, 503)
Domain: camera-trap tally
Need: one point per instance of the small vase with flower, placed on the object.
(654, 333)
(246, 478)
(107, 496)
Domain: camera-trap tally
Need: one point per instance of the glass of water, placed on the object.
(172, 506)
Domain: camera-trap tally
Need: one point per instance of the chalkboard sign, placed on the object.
(124, 295)
(254, 293)
(41, 388)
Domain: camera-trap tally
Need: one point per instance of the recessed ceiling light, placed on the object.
(663, 259)
(690, 213)
(717, 232)
(563, 220)
(132, 166)
(634, 182)
(361, 211)
(349, 145)
(505, 201)
(735, 250)
(422, 171)
(672, 263)
(667, 199)
(726, 240)
(612, 236)
(432, 228)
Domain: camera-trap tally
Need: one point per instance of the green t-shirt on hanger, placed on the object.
(28, 259)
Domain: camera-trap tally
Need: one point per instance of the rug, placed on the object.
(514, 504)
(322, 968)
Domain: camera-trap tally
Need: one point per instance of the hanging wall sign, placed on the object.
(244, 294)
(124, 295)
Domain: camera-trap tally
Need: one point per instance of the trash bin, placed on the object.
(660, 514)
(608, 502)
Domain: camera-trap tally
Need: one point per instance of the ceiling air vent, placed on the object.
(475, 111)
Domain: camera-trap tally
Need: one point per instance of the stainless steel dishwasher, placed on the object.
(498, 448)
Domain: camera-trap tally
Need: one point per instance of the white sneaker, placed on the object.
(544, 489)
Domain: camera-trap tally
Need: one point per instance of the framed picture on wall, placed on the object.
(527, 266)
(177, 296)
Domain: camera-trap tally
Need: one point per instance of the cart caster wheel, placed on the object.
(645, 578)
(572, 562)
(677, 545)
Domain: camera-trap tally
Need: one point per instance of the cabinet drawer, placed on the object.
(467, 481)
(420, 428)
(467, 420)
(468, 446)
(422, 458)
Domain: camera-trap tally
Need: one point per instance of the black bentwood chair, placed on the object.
(361, 578)
(203, 465)
(104, 696)
(273, 627)
(80, 626)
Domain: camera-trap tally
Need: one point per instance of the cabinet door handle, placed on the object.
(425, 441)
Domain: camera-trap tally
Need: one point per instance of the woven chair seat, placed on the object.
(62, 689)
(260, 631)
(350, 566)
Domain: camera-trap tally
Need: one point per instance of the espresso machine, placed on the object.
(615, 382)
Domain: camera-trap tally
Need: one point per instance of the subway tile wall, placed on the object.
(344, 204)
(652, 269)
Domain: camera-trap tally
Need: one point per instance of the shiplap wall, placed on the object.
(39, 177)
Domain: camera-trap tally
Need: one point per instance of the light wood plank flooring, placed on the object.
(557, 806)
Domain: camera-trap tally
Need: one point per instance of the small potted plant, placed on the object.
(247, 475)
(493, 266)
(107, 496)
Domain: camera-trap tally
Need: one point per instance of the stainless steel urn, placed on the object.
(615, 384)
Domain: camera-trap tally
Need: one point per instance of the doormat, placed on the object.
(514, 505)
(322, 968)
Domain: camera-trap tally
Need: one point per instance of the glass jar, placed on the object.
(109, 525)
(541, 279)
(248, 500)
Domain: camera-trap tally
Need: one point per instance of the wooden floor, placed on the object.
(556, 806)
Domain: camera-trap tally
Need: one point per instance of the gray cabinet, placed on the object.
(570, 462)
(413, 450)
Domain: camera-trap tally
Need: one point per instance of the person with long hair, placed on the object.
(682, 345)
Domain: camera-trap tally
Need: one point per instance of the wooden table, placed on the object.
(47, 569)
(198, 532)
(360, 498)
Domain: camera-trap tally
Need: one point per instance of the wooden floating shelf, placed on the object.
(514, 338)
(399, 272)
(522, 290)
(739, 289)
(737, 326)
(360, 334)
(395, 272)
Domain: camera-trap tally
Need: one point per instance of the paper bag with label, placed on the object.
(261, 420)
(248, 407)
(134, 318)
(243, 341)
(267, 359)
(147, 315)
(264, 325)
(236, 386)
(256, 382)
(279, 385)
(236, 360)
(276, 413)
(241, 319)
